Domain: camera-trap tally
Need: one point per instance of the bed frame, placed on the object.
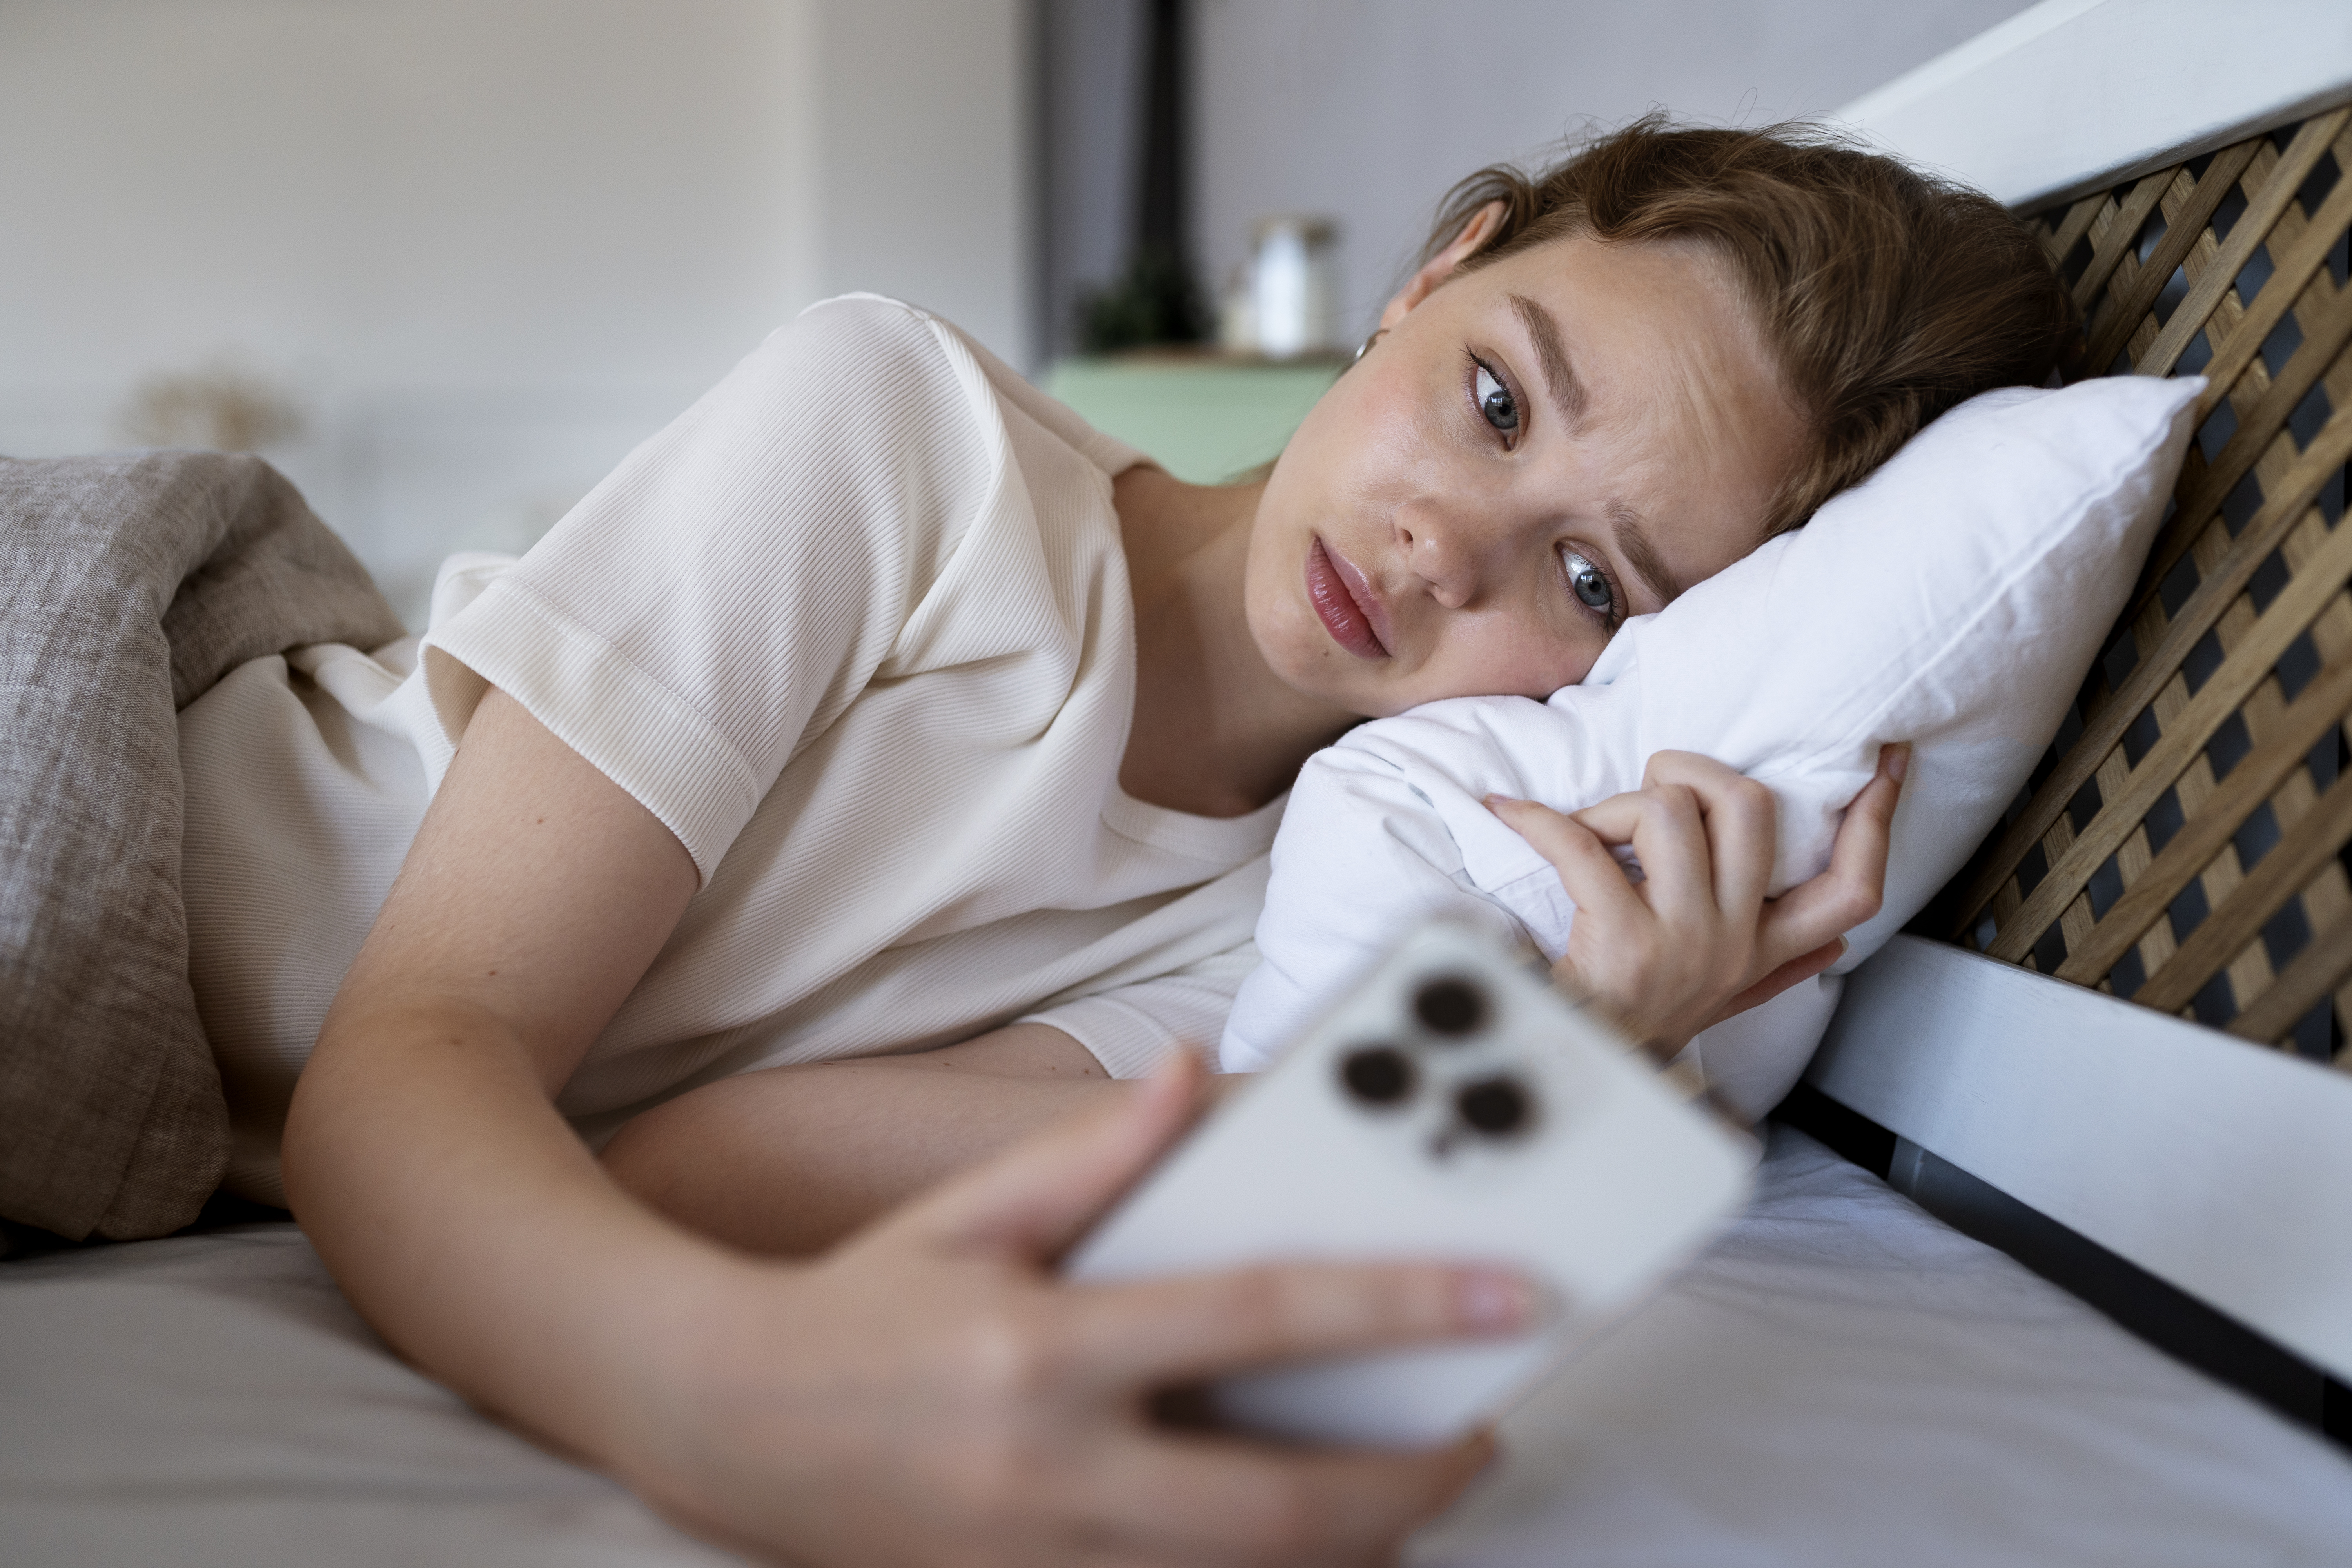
(2116, 1045)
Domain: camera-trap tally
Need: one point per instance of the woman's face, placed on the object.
(1535, 451)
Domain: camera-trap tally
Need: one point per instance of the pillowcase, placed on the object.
(1955, 599)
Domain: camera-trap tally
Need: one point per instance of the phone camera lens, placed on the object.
(1378, 1075)
(1451, 1005)
(1496, 1106)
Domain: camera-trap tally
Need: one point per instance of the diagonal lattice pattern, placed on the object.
(2186, 841)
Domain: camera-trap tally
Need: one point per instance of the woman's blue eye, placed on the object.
(1589, 583)
(1495, 401)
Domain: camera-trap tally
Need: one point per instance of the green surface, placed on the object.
(1204, 421)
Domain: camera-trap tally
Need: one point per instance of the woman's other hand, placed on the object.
(929, 1393)
(1695, 941)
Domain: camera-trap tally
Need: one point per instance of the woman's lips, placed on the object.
(1346, 604)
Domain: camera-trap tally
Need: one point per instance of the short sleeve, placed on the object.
(730, 588)
(1130, 1029)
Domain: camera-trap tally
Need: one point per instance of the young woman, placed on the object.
(878, 707)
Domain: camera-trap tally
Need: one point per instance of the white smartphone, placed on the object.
(1456, 1107)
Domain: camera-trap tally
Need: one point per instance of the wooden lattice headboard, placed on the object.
(2184, 843)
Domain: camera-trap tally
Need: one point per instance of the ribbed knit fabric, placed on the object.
(856, 627)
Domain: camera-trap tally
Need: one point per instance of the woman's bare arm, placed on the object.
(789, 1160)
(423, 1152)
(927, 1392)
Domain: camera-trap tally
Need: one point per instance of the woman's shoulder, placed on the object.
(860, 341)
(858, 397)
(916, 349)
(861, 311)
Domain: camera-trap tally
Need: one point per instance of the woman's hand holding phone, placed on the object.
(1695, 941)
(931, 1392)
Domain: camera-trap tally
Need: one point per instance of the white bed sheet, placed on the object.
(1843, 1380)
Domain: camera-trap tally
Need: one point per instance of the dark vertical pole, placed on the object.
(1161, 195)
(1155, 298)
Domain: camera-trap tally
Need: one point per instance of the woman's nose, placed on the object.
(1446, 554)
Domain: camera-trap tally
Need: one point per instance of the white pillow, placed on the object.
(1955, 599)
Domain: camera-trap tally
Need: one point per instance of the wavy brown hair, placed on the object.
(1886, 296)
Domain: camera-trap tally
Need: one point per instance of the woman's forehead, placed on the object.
(1620, 306)
(1681, 402)
(1675, 270)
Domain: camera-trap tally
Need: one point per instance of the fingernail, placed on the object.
(1898, 761)
(1495, 802)
(1495, 1302)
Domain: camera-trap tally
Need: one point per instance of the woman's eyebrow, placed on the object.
(1641, 554)
(1560, 376)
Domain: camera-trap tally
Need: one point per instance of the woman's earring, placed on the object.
(1366, 346)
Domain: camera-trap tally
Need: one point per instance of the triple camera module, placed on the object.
(1453, 1010)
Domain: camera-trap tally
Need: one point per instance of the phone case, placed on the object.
(1453, 1106)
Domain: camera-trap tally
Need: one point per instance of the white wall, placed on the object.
(486, 244)
(1369, 110)
(927, 162)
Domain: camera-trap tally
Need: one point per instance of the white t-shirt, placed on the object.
(857, 628)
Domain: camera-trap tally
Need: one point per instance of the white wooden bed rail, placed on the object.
(2223, 1170)
(2218, 1168)
(2071, 95)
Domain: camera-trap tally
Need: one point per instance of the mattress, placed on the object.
(1842, 1379)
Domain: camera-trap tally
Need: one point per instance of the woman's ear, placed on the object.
(1440, 267)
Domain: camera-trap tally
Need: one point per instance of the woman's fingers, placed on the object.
(1187, 1327)
(1036, 1198)
(1028, 1397)
(1852, 890)
(1178, 1497)
(1590, 873)
(1670, 839)
(1739, 814)
(1740, 817)
(1662, 956)
(1651, 957)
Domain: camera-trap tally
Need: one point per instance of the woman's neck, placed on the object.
(1217, 731)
